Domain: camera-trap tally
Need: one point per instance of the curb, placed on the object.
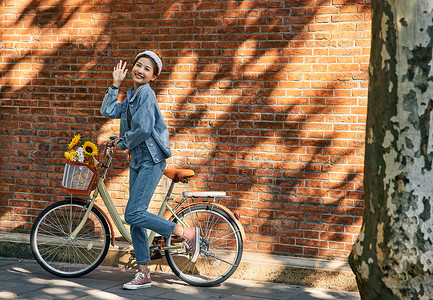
(266, 268)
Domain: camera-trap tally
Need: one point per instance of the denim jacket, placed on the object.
(147, 123)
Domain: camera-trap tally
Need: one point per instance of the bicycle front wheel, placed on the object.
(60, 255)
(220, 247)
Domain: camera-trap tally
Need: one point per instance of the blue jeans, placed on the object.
(144, 176)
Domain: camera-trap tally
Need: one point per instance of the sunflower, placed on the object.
(70, 154)
(74, 141)
(90, 148)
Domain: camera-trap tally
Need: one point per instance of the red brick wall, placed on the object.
(264, 99)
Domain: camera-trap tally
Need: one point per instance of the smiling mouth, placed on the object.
(139, 76)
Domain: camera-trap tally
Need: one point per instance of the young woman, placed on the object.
(144, 133)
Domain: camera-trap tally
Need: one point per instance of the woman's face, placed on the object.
(143, 71)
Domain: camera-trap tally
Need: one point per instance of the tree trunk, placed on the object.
(393, 255)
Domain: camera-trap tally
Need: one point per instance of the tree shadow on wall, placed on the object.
(254, 124)
(45, 89)
(47, 16)
(75, 70)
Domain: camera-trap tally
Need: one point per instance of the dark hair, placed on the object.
(155, 66)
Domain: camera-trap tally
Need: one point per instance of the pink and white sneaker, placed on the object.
(191, 238)
(141, 280)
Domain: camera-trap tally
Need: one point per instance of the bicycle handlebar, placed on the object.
(111, 142)
(109, 145)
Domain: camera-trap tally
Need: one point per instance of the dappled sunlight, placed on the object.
(326, 294)
(106, 283)
(48, 287)
(265, 100)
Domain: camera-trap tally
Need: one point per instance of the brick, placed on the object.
(270, 111)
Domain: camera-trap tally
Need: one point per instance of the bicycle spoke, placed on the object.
(55, 226)
(220, 247)
(210, 267)
(59, 254)
(213, 255)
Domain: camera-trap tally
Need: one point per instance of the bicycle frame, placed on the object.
(118, 222)
(72, 237)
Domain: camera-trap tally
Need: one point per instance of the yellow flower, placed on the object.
(70, 154)
(90, 148)
(74, 141)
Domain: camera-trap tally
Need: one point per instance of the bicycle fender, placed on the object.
(226, 210)
(102, 213)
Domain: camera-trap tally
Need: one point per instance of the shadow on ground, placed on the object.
(24, 279)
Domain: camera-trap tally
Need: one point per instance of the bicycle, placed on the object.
(71, 238)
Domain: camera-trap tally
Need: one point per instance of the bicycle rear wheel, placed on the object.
(60, 255)
(220, 247)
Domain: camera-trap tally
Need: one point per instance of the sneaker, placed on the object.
(191, 238)
(141, 280)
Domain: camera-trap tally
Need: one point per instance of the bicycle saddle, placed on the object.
(178, 174)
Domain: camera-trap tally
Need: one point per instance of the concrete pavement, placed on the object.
(25, 279)
(327, 274)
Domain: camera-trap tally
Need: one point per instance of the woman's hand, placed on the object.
(119, 74)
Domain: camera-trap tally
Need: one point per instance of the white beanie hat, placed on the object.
(155, 58)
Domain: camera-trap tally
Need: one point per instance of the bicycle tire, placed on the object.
(69, 258)
(220, 247)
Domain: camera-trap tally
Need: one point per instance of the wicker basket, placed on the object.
(78, 178)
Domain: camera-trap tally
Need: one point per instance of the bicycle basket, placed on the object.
(78, 178)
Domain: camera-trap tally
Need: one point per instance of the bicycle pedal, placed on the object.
(132, 253)
(155, 255)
